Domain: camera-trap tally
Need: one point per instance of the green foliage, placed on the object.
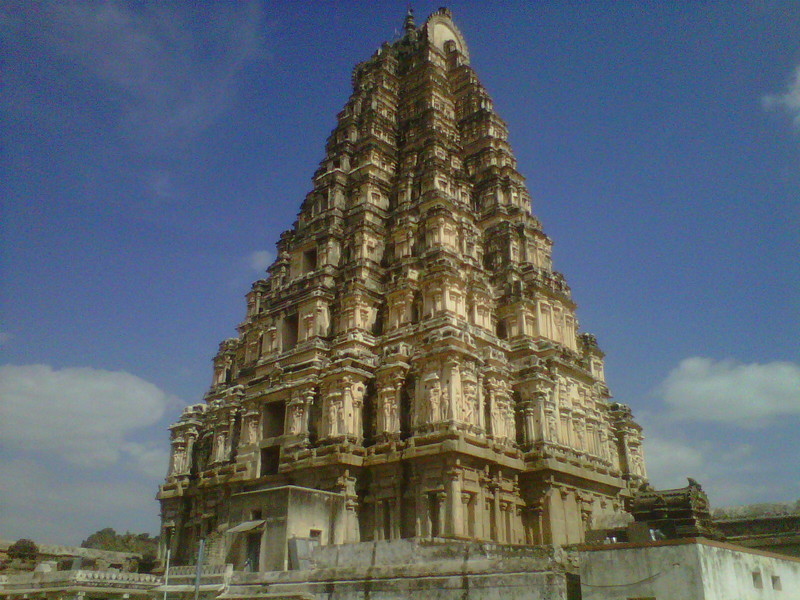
(763, 509)
(23, 549)
(138, 543)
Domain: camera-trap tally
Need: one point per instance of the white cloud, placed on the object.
(64, 506)
(259, 260)
(789, 101)
(149, 459)
(747, 395)
(81, 415)
(731, 472)
(670, 461)
(72, 453)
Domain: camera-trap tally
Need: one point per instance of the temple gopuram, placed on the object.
(411, 367)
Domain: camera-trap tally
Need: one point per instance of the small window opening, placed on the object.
(253, 552)
(291, 326)
(309, 260)
(387, 520)
(315, 534)
(501, 329)
(416, 306)
(433, 513)
(270, 460)
(274, 415)
(471, 517)
(776, 582)
(757, 581)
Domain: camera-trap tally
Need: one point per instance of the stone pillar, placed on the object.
(357, 392)
(481, 416)
(308, 402)
(585, 506)
(529, 422)
(323, 319)
(397, 513)
(491, 400)
(421, 524)
(441, 501)
(469, 517)
(377, 516)
(506, 522)
(347, 485)
(191, 438)
(447, 412)
(455, 515)
(481, 522)
(533, 524)
(497, 517)
(279, 333)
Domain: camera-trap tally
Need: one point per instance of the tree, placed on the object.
(23, 549)
(141, 543)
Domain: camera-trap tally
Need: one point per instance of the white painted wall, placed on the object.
(728, 573)
(686, 570)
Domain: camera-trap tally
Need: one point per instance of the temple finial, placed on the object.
(408, 23)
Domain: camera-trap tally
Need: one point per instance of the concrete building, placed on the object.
(686, 569)
(412, 349)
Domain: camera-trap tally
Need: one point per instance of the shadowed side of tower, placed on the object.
(411, 356)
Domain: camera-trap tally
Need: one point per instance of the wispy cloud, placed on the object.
(259, 260)
(746, 395)
(732, 473)
(70, 440)
(80, 415)
(789, 101)
(56, 504)
(724, 423)
(166, 72)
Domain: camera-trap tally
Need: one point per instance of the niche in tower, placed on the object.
(434, 506)
(315, 417)
(500, 329)
(369, 417)
(270, 460)
(310, 260)
(416, 307)
(274, 417)
(407, 396)
(291, 328)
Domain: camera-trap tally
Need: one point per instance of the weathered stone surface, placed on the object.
(411, 350)
(691, 569)
(399, 569)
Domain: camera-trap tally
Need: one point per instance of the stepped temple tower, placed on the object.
(411, 366)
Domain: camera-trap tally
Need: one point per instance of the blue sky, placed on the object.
(152, 153)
